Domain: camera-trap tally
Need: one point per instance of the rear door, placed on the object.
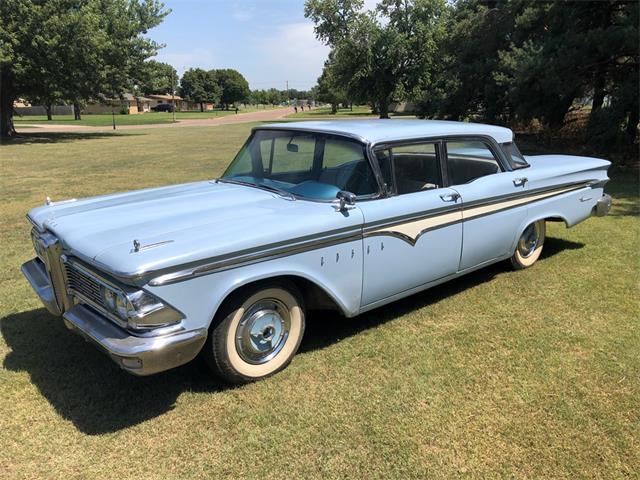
(493, 199)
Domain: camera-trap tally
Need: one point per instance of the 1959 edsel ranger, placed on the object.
(345, 215)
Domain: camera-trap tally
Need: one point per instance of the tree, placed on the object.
(379, 56)
(234, 86)
(562, 51)
(329, 89)
(81, 49)
(200, 86)
(156, 77)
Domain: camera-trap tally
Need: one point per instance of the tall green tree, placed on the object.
(156, 77)
(329, 89)
(80, 48)
(198, 85)
(380, 56)
(235, 87)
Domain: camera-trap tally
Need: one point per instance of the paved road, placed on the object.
(258, 116)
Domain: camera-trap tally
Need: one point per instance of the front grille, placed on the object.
(84, 285)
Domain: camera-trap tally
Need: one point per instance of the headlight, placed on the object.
(140, 309)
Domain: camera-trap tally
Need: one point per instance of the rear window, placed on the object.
(515, 158)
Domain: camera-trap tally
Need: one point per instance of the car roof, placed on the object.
(377, 131)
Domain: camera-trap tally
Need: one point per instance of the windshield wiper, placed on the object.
(269, 188)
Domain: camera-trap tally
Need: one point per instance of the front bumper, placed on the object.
(36, 274)
(139, 355)
(603, 205)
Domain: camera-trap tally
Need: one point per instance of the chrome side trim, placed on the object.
(248, 257)
(407, 227)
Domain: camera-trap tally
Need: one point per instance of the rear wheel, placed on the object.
(257, 333)
(529, 245)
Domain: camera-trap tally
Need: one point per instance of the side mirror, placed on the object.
(347, 200)
(292, 147)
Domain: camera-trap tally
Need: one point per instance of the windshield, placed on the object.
(305, 164)
(515, 158)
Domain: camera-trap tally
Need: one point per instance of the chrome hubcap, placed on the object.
(263, 330)
(529, 240)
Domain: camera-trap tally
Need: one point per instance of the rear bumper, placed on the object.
(136, 355)
(603, 205)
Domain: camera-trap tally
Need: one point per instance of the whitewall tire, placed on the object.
(256, 333)
(529, 245)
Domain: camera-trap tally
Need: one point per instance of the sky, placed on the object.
(268, 41)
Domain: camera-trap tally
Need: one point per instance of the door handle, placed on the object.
(519, 182)
(450, 197)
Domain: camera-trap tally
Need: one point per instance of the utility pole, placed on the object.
(173, 95)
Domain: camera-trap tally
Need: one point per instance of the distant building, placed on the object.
(24, 108)
(127, 104)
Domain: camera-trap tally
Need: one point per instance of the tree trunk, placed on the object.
(334, 108)
(48, 108)
(632, 122)
(76, 111)
(202, 106)
(6, 107)
(598, 91)
(383, 108)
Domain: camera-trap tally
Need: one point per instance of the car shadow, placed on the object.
(86, 388)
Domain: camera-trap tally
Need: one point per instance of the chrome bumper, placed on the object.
(137, 355)
(36, 274)
(603, 206)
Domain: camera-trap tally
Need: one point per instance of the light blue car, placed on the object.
(337, 215)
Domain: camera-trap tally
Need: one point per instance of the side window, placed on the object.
(345, 165)
(411, 168)
(469, 160)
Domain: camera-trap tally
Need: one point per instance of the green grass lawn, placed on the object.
(529, 374)
(99, 120)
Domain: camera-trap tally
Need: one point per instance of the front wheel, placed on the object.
(529, 245)
(257, 333)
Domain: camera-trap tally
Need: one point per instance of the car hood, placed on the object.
(182, 224)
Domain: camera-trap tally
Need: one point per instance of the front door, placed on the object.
(414, 236)
(493, 200)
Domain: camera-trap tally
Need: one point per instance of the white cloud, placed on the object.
(291, 53)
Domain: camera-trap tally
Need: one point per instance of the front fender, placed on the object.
(336, 269)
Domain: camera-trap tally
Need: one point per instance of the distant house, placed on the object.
(145, 104)
(158, 99)
(127, 104)
(181, 104)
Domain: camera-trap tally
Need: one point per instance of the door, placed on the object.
(414, 235)
(494, 202)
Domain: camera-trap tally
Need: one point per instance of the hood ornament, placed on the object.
(137, 246)
(48, 202)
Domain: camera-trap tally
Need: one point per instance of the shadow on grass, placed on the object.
(85, 387)
(30, 138)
